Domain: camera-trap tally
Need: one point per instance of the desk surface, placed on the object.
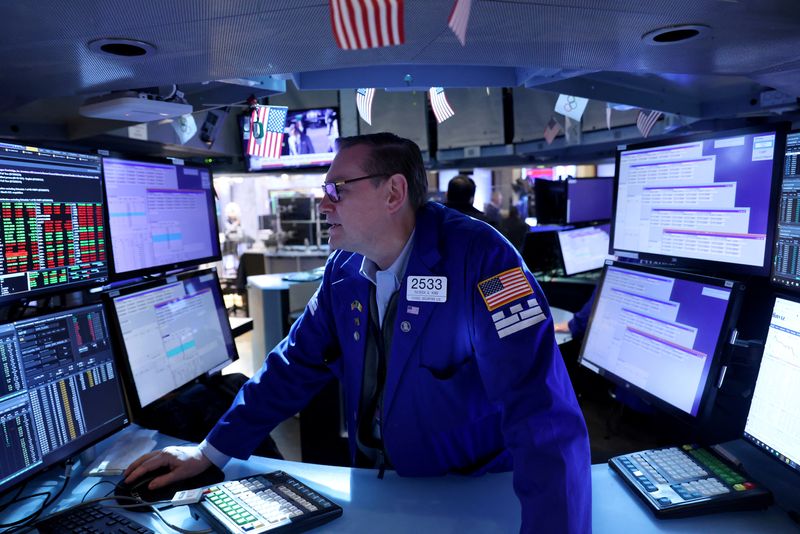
(440, 504)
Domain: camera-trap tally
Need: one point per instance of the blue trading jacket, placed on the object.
(469, 389)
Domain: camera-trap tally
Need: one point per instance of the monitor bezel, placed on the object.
(82, 443)
(708, 395)
(780, 283)
(570, 181)
(137, 411)
(49, 291)
(780, 129)
(165, 268)
(287, 168)
(748, 438)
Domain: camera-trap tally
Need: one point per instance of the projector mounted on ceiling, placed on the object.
(132, 106)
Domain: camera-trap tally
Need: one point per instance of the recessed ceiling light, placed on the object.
(121, 48)
(678, 34)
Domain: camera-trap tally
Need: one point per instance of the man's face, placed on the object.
(357, 220)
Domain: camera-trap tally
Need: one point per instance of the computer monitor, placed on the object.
(51, 221)
(173, 330)
(540, 249)
(60, 390)
(589, 199)
(661, 334)
(786, 261)
(708, 201)
(161, 216)
(772, 422)
(551, 201)
(584, 249)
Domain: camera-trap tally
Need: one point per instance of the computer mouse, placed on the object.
(139, 490)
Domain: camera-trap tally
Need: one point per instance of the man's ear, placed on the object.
(397, 188)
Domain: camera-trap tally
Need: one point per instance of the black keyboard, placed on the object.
(91, 519)
(689, 480)
(260, 503)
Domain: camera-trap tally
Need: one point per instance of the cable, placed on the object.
(94, 486)
(15, 498)
(50, 499)
(179, 529)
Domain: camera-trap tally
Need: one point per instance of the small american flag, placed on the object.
(412, 310)
(504, 288)
(646, 121)
(441, 108)
(459, 18)
(266, 131)
(364, 104)
(551, 130)
(360, 24)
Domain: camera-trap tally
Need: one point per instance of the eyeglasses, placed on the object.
(331, 189)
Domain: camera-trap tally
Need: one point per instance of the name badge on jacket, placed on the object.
(426, 289)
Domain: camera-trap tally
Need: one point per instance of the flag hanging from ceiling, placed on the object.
(266, 131)
(360, 24)
(608, 115)
(551, 130)
(459, 18)
(441, 108)
(364, 104)
(646, 121)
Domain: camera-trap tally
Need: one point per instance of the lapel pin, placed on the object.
(405, 326)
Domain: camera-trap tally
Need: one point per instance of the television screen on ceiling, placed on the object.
(310, 140)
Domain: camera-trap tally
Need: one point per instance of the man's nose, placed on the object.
(325, 206)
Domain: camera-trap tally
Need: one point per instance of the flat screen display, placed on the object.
(173, 331)
(52, 228)
(708, 201)
(659, 333)
(773, 422)
(161, 215)
(589, 199)
(310, 140)
(584, 249)
(59, 390)
(786, 262)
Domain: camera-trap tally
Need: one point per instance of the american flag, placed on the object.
(551, 130)
(364, 104)
(266, 131)
(646, 121)
(459, 18)
(360, 24)
(504, 288)
(441, 108)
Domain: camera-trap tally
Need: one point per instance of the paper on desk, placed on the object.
(122, 454)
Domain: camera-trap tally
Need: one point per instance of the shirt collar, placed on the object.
(369, 269)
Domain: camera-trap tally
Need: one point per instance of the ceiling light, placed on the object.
(680, 33)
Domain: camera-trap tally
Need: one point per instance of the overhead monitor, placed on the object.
(173, 330)
(584, 249)
(661, 334)
(786, 260)
(708, 201)
(310, 139)
(162, 216)
(52, 229)
(59, 390)
(589, 199)
(772, 422)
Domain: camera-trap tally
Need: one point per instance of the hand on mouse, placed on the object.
(183, 462)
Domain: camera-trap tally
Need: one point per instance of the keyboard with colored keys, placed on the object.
(689, 480)
(261, 503)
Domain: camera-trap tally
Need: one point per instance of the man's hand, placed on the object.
(183, 462)
(562, 327)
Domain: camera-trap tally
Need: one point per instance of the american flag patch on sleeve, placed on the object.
(505, 287)
(518, 317)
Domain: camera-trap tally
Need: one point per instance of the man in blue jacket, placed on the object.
(442, 340)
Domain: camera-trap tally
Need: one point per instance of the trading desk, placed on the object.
(440, 504)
